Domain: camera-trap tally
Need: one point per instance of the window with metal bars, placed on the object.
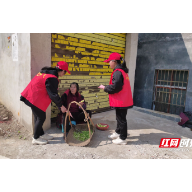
(169, 92)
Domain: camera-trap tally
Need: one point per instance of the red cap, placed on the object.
(113, 56)
(63, 65)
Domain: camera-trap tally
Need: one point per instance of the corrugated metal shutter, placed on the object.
(85, 53)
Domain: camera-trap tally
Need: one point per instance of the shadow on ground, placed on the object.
(142, 129)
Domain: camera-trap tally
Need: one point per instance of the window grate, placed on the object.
(169, 92)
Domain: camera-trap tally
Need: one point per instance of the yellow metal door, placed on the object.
(85, 53)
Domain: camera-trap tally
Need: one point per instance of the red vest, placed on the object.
(124, 97)
(36, 92)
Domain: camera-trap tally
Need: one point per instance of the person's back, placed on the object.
(38, 95)
(36, 91)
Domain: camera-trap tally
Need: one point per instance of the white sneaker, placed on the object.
(47, 137)
(39, 141)
(119, 141)
(114, 136)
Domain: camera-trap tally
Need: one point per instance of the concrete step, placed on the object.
(168, 116)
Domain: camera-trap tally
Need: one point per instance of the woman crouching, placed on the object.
(77, 114)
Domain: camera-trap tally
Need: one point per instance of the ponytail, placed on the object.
(123, 64)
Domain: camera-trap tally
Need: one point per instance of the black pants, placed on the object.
(77, 116)
(121, 122)
(40, 117)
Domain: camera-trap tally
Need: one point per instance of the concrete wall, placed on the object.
(130, 56)
(15, 75)
(161, 51)
(34, 52)
(41, 57)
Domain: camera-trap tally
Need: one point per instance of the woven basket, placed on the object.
(69, 139)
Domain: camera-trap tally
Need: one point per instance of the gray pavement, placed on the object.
(144, 134)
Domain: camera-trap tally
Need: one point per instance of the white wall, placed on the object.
(34, 52)
(131, 55)
(15, 75)
(187, 38)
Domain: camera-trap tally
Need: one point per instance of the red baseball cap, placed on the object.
(63, 65)
(113, 56)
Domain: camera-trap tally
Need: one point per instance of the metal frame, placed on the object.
(165, 96)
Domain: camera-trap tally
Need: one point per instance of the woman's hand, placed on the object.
(101, 87)
(63, 109)
(82, 102)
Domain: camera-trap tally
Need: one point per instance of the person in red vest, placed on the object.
(120, 96)
(38, 95)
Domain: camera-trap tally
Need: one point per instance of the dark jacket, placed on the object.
(117, 82)
(66, 101)
(51, 87)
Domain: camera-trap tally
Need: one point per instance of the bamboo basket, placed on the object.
(70, 139)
